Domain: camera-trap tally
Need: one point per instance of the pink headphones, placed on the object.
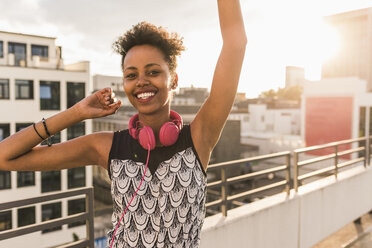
(168, 132)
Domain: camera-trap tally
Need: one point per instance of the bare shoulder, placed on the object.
(102, 142)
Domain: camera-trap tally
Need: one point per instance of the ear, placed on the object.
(174, 82)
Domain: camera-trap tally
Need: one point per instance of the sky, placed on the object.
(280, 33)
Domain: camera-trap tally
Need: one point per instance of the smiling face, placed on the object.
(147, 79)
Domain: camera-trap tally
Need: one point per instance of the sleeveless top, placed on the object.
(169, 207)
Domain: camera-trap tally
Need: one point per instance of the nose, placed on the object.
(142, 81)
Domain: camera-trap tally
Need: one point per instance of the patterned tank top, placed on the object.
(169, 207)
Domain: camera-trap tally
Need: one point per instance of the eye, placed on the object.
(130, 76)
(153, 73)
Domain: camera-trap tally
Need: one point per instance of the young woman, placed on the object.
(168, 210)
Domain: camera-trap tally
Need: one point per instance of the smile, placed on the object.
(145, 95)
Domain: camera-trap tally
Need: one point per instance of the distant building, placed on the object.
(335, 109)
(35, 83)
(294, 76)
(355, 56)
(190, 96)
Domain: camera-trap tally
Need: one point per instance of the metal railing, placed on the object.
(336, 154)
(224, 182)
(225, 199)
(88, 216)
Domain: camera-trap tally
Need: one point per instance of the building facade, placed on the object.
(355, 56)
(35, 84)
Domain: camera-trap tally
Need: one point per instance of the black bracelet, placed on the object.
(37, 132)
(47, 132)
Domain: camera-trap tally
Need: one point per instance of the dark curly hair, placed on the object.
(145, 33)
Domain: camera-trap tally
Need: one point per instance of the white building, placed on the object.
(35, 83)
(271, 129)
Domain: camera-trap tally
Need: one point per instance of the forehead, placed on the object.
(139, 56)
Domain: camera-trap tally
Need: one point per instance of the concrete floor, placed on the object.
(347, 234)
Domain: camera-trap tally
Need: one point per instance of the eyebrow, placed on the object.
(146, 66)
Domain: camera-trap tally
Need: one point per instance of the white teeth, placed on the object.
(145, 95)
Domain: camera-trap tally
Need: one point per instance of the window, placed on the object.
(5, 180)
(4, 131)
(49, 95)
(26, 216)
(75, 207)
(1, 52)
(76, 177)
(5, 220)
(37, 50)
(24, 178)
(4, 89)
(4, 175)
(76, 130)
(24, 89)
(50, 181)
(49, 212)
(75, 92)
(19, 51)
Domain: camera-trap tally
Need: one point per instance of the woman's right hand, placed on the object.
(101, 103)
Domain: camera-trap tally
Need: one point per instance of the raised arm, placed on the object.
(19, 152)
(210, 120)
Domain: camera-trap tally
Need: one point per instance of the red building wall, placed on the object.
(328, 119)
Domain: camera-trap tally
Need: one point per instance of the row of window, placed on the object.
(49, 92)
(26, 216)
(50, 180)
(19, 51)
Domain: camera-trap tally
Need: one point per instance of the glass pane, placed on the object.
(41, 51)
(4, 89)
(5, 180)
(24, 89)
(76, 130)
(4, 131)
(75, 207)
(19, 51)
(50, 181)
(76, 177)
(49, 212)
(25, 178)
(49, 95)
(5, 220)
(75, 93)
(26, 216)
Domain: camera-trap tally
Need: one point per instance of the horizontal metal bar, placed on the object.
(344, 164)
(213, 184)
(45, 198)
(361, 148)
(344, 142)
(257, 158)
(314, 160)
(42, 226)
(77, 244)
(238, 203)
(213, 203)
(256, 174)
(253, 191)
(316, 173)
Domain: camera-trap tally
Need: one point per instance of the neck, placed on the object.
(155, 121)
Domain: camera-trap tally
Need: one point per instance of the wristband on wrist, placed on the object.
(49, 142)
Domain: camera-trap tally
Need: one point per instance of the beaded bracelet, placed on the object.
(47, 132)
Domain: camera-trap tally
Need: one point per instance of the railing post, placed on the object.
(223, 191)
(336, 161)
(89, 201)
(366, 152)
(295, 176)
(288, 173)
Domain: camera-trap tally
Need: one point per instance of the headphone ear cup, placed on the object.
(146, 137)
(132, 126)
(168, 134)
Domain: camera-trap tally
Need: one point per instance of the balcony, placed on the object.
(286, 199)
